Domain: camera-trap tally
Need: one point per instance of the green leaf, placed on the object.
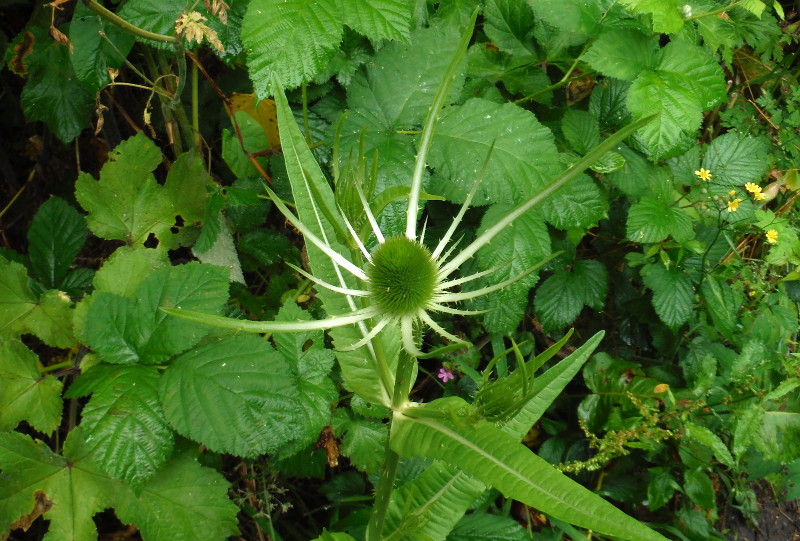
(378, 19)
(653, 220)
(562, 296)
(778, 437)
(241, 374)
(524, 157)
(290, 39)
(126, 268)
(16, 298)
(734, 159)
(127, 203)
(623, 53)
(363, 440)
(50, 320)
(185, 501)
(123, 422)
(581, 129)
(666, 14)
(661, 488)
(748, 423)
(489, 528)
(698, 68)
(704, 436)
(756, 7)
(95, 53)
(223, 253)
(311, 365)
(571, 16)
(157, 16)
(519, 247)
(673, 295)
(699, 488)
(498, 459)
(680, 113)
(722, 303)
(188, 185)
(77, 488)
(55, 237)
(576, 205)
(126, 331)
(509, 25)
(53, 93)
(25, 394)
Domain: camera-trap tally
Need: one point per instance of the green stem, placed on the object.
(126, 26)
(717, 11)
(383, 495)
(304, 89)
(198, 141)
(58, 366)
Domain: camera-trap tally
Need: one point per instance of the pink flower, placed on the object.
(445, 375)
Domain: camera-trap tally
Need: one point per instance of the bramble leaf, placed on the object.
(622, 53)
(55, 237)
(127, 203)
(379, 19)
(25, 393)
(561, 297)
(734, 159)
(184, 497)
(673, 294)
(509, 25)
(524, 156)
(291, 39)
(127, 331)
(123, 421)
(363, 440)
(241, 374)
(16, 298)
(652, 220)
(666, 14)
(157, 16)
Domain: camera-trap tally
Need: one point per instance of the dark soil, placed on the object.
(776, 520)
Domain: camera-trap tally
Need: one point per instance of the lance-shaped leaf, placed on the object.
(500, 460)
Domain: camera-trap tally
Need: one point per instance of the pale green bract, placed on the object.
(374, 330)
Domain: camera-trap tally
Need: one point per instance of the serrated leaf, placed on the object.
(522, 245)
(666, 14)
(722, 304)
(188, 185)
(123, 421)
(125, 331)
(125, 270)
(157, 16)
(576, 205)
(562, 296)
(572, 16)
(311, 365)
(488, 527)
(652, 220)
(509, 25)
(378, 19)
(673, 296)
(77, 488)
(16, 298)
(700, 70)
(680, 112)
(185, 500)
(55, 237)
(581, 129)
(704, 436)
(26, 395)
(50, 319)
(734, 159)
(95, 53)
(223, 253)
(748, 422)
(127, 203)
(524, 157)
(623, 53)
(241, 374)
(291, 39)
(52, 92)
(363, 440)
(497, 458)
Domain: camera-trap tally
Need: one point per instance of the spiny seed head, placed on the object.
(402, 276)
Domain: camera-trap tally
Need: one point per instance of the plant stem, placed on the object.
(126, 26)
(383, 495)
(198, 141)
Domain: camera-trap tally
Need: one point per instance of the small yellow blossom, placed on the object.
(732, 193)
(752, 293)
(755, 189)
(733, 205)
(703, 174)
(759, 196)
(661, 388)
(772, 236)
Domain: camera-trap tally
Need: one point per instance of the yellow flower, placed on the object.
(703, 174)
(772, 236)
(759, 196)
(733, 205)
(732, 193)
(752, 293)
(755, 189)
